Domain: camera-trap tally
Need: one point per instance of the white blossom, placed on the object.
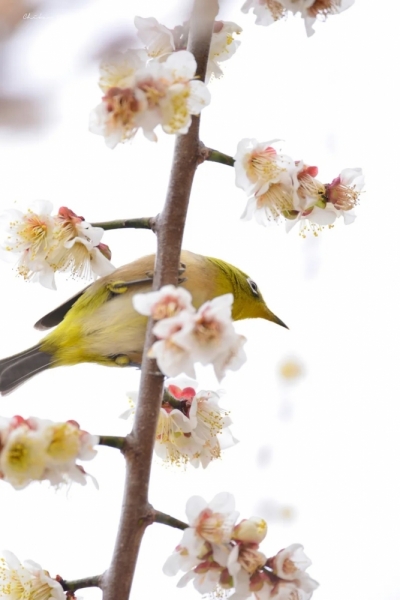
(266, 11)
(27, 581)
(156, 93)
(223, 558)
(223, 46)
(269, 178)
(269, 11)
(38, 449)
(185, 337)
(166, 302)
(338, 199)
(41, 244)
(191, 428)
(310, 10)
(160, 41)
(27, 237)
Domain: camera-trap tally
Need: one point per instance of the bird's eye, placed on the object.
(253, 286)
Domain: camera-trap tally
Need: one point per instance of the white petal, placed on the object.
(100, 265)
(183, 64)
(322, 216)
(194, 506)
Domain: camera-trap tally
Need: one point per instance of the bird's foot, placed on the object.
(120, 287)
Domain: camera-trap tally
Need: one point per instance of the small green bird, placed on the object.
(99, 324)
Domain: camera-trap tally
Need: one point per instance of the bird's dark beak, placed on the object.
(269, 316)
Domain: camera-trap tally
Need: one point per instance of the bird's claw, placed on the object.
(120, 287)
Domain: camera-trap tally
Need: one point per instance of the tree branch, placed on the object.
(164, 519)
(136, 512)
(216, 156)
(143, 223)
(78, 584)
(113, 441)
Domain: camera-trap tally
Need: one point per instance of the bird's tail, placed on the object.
(16, 369)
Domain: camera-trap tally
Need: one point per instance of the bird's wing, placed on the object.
(55, 317)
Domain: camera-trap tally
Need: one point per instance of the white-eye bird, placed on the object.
(99, 324)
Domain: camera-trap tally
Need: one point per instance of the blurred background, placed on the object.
(316, 408)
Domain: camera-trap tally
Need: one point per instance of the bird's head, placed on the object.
(248, 301)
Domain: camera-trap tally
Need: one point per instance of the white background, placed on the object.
(321, 459)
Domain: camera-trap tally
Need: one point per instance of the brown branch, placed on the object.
(142, 223)
(136, 512)
(164, 519)
(78, 584)
(216, 156)
(113, 441)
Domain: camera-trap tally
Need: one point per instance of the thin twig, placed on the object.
(79, 584)
(216, 156)
(136, 512)
(160, 517)
(142, 223)
(113, 441)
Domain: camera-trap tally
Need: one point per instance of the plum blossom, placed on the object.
(41, 244)
(192, 427)
(27, 580)
(266, 11)
(166, 302)
(206, 540)
(160, 41)
(269, 178)
(310, 10)
(37, 449)
(140, 94)
(220, 557)
(338, 199)
(269, 11)
(186, 337)
(282, 189)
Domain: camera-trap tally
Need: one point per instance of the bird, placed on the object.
(100, 325)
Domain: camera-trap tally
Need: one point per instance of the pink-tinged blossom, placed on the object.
(269, 178)
(192, 428)
(221, 557)
(160, 41)
(153, 93)
(338, 199)
(38, 449)
(269, 11)
(207, 336)
(26, 581)
(167, 302)
(266, 11)
(76, 247)
(26, 240)
(42, 244)
(251, 531)
(311, 10)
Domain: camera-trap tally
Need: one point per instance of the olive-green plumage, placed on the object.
(100, 325)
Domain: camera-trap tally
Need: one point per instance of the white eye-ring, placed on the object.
(253, 286)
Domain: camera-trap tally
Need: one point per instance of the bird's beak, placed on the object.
(269, 316)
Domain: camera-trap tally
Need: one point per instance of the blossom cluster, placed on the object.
(142, 93)
(38, 449)
(219, 556)
(42, 243)
(280, 188)
(186, 336)
(160, 41)
(192, 428)
(157, 86)
(27, 580)
(269, 11)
